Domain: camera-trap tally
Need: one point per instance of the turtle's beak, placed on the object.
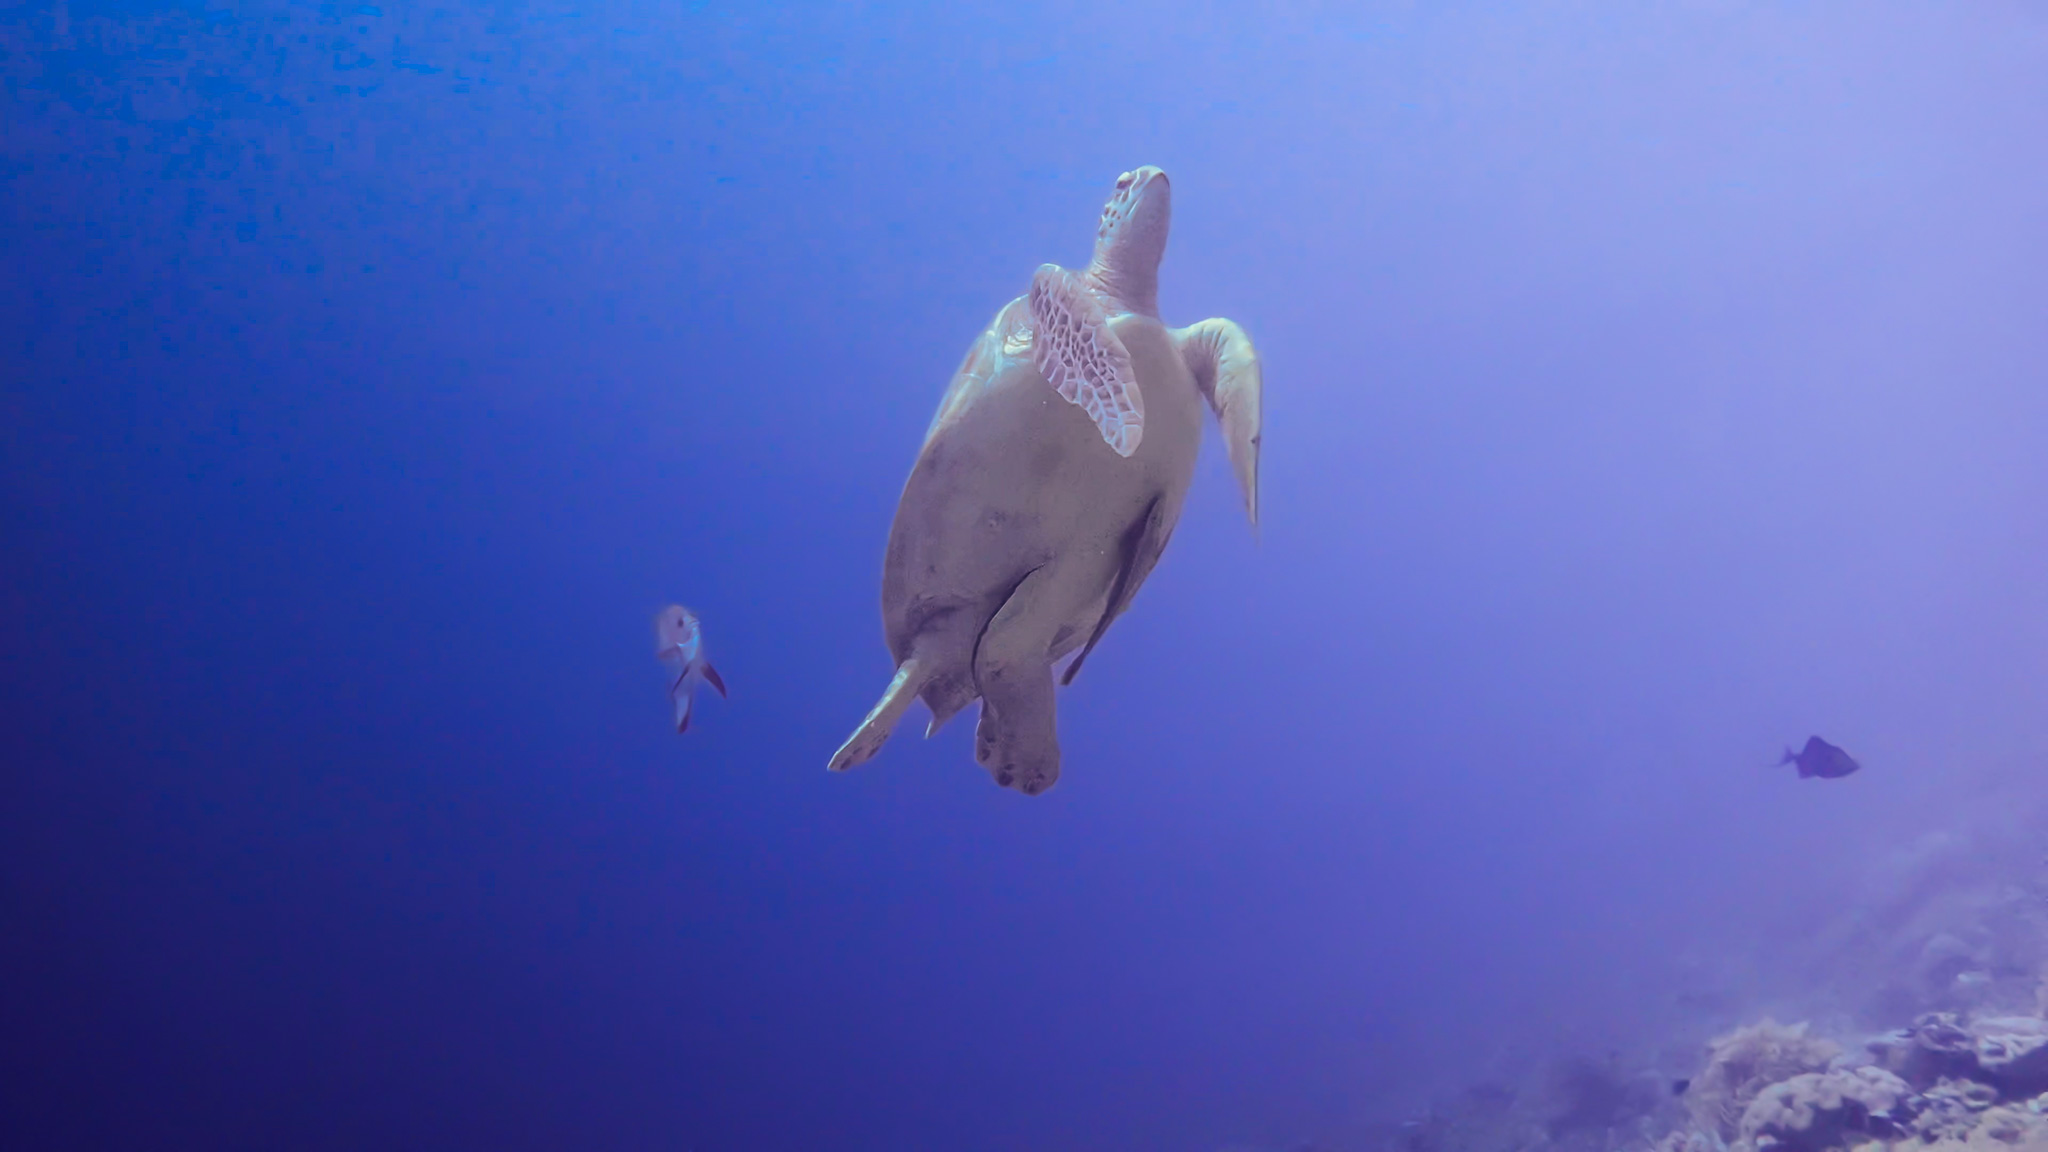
(1150, 202)
(1139, 211)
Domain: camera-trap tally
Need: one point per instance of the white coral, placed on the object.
(2003, 1129)
(1817, 1109)
(2013, 1052)
(1744, 1062)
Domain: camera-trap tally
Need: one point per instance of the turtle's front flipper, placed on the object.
(1226, 369)
(1081, 357)
(1017, 739)
(874, 731)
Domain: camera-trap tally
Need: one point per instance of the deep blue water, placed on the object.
(1646, 390)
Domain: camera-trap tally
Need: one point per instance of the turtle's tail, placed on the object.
(874, 731)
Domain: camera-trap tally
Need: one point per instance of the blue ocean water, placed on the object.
(1647, 390)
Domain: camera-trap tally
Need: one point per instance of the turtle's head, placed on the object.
(1131, 240)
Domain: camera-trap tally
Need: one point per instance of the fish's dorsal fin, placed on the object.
(1082, 359)
(712, 677)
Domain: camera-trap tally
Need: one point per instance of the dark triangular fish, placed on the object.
(1822, 759)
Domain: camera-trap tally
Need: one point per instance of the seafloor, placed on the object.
(1946, 1082)
(1918, 1020)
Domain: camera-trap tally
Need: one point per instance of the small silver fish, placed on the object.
(1820, 758)
(679, 642)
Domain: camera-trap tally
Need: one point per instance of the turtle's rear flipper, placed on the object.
(874, 731)
(1017, 739)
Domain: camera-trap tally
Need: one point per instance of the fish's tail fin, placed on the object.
(1792, 757)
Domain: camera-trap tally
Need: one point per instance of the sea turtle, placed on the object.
(1048, 484)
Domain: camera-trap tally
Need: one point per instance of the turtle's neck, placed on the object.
(1130, 242)
(1131, 285)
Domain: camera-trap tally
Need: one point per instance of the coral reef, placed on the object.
(2009, 1053)
(2012, 1054)
(1953, 940)
(1935, 1048)
(1949, 1082)
(1816, 1110)
(1951, 1110)
(1743, 1063)
(1946, 1084)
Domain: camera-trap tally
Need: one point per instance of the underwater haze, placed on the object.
(1648, 388)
